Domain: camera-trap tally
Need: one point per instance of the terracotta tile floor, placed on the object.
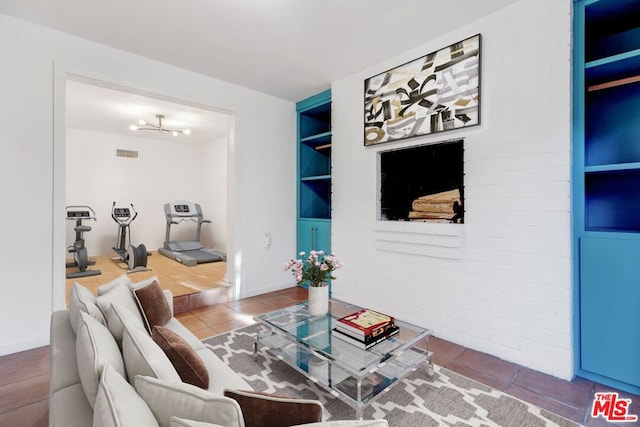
(24, 376)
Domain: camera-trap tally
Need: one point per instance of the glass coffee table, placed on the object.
(358, 376)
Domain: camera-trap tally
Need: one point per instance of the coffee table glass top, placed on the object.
(358, 376)
(316, 333)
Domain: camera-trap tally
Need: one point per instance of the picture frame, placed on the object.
(434, 93)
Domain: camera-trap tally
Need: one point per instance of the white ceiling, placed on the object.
(287, 48)
(290, 49)
(95, 107)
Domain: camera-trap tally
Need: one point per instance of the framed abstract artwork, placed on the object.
(437, 92)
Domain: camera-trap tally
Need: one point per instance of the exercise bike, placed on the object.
(78, 249)
(134, 256)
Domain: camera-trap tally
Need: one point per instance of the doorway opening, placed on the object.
(165, 168)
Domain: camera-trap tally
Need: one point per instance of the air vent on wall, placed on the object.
(131, 154)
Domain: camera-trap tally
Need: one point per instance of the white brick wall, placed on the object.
(500, 283)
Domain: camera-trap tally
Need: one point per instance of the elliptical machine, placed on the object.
(134, 256)
(78, 249)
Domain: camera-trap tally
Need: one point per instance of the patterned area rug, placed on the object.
(444, 399)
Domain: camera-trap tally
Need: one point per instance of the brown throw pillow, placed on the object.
(184, 358)
(263, 409)
(153, 305)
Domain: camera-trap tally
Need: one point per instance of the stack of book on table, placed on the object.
(365, 328)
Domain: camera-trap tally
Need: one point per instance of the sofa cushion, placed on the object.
(153, 305)
(69, 407)
(63, 370)
(120, 280)
(118, 404)
(263, 409)
(82, 299)
(95, 347)
(188, 364)
(142, 356)
(221, 376)
(181, 422)
(176, 399)
(119, 294)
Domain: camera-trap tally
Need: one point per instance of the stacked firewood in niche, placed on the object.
(438, 207)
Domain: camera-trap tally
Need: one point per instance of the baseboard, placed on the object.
(274, 288)
(24, 346)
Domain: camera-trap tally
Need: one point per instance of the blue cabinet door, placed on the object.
(323, 236)
(314, 235)
(610, 308)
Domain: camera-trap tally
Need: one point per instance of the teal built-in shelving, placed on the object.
(606, 191)
(314, 173)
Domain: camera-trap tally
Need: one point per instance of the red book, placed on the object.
(364, 323)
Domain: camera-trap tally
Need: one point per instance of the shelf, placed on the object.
(315, 198)
(316, 178)
(610, 233)
(611, 28)
(314, 219)
(609, 6)
(317, 139)
(635, 166)
(614, 83)
(612, 200)
(611, 130)
(315, 122)
(613, 67)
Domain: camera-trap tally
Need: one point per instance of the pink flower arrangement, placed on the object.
(315, 270)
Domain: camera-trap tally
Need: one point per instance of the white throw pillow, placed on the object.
(176, 399)
(118, 404)
(120, 294)
(142, 283)
(181, 422)
(95, 347)
(82, 299)
(121, 280)
(142, 356)
(117, 317)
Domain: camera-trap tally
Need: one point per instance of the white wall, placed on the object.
(164, 171)
(501, 282)
(36, 61)
(214, 193)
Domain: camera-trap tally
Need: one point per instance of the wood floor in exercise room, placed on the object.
(192, 287)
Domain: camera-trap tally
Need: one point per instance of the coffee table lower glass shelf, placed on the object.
(358, 376)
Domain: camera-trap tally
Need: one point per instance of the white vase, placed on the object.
(318, 300)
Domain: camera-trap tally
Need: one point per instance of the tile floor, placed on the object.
(24, 377)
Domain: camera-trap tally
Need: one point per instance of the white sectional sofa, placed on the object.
(111, 367)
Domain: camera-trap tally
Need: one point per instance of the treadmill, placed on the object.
(187, 252)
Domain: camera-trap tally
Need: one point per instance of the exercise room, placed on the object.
(128, 155)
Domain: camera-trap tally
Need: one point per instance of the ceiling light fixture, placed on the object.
(143, 125)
